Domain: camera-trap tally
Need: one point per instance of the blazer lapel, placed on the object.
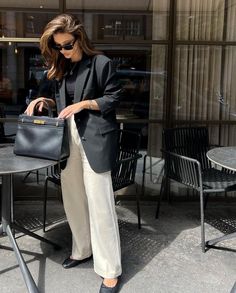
(81, 80)
(62, 92)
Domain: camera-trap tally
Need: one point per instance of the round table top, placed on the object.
(10, 163)
(223, 156)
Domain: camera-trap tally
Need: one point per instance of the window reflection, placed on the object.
(20, 24)
(126, 27)
(43, 4)
(123, 30)
(5, 89)
(21, 69)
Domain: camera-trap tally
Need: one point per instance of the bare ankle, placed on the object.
(110, 282)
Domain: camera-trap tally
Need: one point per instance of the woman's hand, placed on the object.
(72, 109)
(77, 107)
(41, 103)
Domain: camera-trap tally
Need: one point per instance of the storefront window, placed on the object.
(125, 20)
(21, 70)
(123, 27)
(23, 25)
(32, 4)
(206, 20)
(123, 30)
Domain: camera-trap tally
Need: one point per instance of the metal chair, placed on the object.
(54, 177)
(184, 151)
(5, 138)
(123, 174)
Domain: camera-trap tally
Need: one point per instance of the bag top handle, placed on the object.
(49, 108)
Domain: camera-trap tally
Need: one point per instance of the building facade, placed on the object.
(175, 58)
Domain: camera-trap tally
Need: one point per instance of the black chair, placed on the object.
(55, 178)
(123, 174)
(5, 138)
(184, 151)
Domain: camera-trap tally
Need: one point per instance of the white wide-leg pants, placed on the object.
(90, 209)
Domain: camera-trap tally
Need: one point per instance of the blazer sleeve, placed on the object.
(108, 84)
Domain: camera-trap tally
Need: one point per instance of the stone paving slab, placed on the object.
(163, 257)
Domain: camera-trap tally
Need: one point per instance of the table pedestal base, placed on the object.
(222, 238)
(27, 232)
(7, 224)
(29, 281)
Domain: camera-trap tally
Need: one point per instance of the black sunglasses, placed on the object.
(67, 47)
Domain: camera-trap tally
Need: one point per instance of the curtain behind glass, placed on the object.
(197, 81)
(200, 19)
(204, 87)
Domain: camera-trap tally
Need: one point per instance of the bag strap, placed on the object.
(49, 108)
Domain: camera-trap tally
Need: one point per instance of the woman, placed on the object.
(87, 97)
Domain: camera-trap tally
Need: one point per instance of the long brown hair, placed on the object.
(63, 23)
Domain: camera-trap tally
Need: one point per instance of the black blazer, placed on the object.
(97, 129)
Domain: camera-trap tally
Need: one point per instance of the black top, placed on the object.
(70, 83)
(46, 87)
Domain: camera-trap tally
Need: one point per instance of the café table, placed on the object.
(224, 157)
(11, 164)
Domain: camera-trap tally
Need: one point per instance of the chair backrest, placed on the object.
(2, 115)
(191, 142)
(3, 137)
(123, 174)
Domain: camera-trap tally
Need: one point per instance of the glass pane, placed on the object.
(230, 22)
(227, 94)
(123, 20)
(158, 81)
(42, 4)
(21, 24)
(227, 135)
(133, 70)
(160, 20)
(197, 83)
(21, 68)
(123, 5)
(200, 20)
(122, 27)
(142, 78)
(157, 98)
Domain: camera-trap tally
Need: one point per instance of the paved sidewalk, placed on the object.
(163, 257)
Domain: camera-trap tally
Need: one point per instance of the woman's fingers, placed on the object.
(70, 110)
(32, 107)
(66, 113)
(40, 107)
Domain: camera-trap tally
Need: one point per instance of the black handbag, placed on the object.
(42, 137)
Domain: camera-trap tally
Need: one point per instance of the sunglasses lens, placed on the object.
(68, 47)
(58, 48)
(65, 47)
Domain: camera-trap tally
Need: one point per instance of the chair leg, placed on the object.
(203, 243)
(206, 201)
(143, 179)
(163, 183)
(167, 189)
(138, 208)
(26, 176)
(45, 203)
(37, 176)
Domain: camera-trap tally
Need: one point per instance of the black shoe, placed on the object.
(105, 289)
(70, 263)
